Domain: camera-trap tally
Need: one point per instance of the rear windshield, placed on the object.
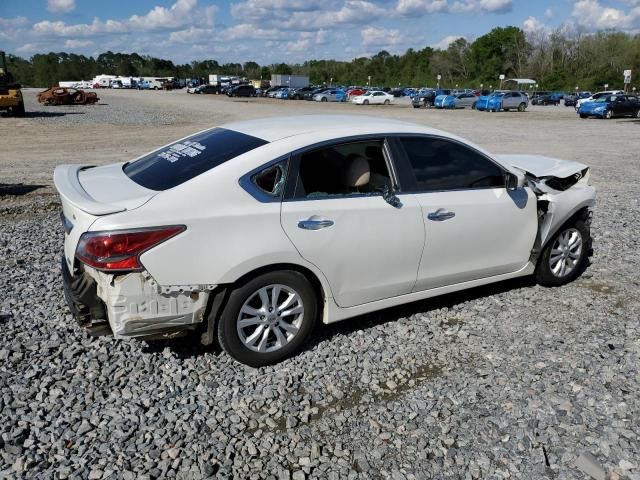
(188, 158)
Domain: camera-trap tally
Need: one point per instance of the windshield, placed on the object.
(603, 99)
(188, 158)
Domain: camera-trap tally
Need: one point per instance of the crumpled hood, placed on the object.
(541, 166)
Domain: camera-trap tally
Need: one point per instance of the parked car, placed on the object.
(144, 250)
(331, 95)
(571, 100)
(597, 95)
(611, 106)
(426, 97)
(282, 94)
(193, 89)
(458, 100)
(208, 90)
(545, 100)
(299, 93)
(504, 101)
(242, 91)
(373, 97)
(357, 91)
(309, 95)
(273, 89)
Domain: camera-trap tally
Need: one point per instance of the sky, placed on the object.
(273, 31)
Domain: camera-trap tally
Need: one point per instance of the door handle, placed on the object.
(440, 215)
(312, 224)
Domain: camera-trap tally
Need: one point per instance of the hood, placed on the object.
(540, 166)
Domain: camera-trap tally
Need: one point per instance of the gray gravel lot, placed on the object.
(506, 381)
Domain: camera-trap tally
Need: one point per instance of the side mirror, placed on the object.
(389, 196)
(511, 181)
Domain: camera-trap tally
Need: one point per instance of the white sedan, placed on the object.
(373, 97)
(252, 232)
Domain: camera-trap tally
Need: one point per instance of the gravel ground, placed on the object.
(506, 381)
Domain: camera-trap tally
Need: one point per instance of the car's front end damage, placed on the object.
(562, 190)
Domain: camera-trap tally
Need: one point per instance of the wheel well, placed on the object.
(219, 296)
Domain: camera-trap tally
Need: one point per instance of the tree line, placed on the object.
(557, 61)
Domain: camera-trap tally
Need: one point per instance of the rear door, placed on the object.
(474, 227)
(335, 215)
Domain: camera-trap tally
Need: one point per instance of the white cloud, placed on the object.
(534, 28)
(592, 15)
(61, 6)
(445, 42)
(482, 6)
(183, 13)
(27, 48)
(421, 7)
(381, 37)
(192, 35)
(71, 43)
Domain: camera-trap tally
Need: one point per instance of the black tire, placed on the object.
(416, 106)
(228, 336)
(544, 275)
(323, 99)
(522, 107)
(473, 107)
(582, 115)
(18, 110)
(608, 115)
(386, 102)
(366, 102)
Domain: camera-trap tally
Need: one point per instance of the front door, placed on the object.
(474, 227)
(335, 215)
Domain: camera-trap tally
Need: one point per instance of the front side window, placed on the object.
(356, 168)
(439, 164)
(188, 158)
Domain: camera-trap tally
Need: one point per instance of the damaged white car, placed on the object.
(250, 233)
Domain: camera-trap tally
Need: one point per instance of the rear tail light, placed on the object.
(120, 250)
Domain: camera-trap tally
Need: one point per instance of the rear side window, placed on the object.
(188, 158)
(438, 164)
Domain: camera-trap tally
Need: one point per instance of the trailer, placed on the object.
(293, 81)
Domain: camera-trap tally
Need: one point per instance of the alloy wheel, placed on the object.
(566, 252)
(270, 318)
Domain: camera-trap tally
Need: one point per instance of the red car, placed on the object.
(354, 92)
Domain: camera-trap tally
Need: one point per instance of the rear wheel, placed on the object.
(564, 256)
(386, 102)
(637, 114)
(268, 318)
(323, 99)
(608, 115)
(473, 107)
(18, 110)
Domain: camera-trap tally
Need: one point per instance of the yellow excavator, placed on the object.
(10, 93)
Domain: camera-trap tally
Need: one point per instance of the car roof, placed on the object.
(276, 128)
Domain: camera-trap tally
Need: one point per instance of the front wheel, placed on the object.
(268, 318)
(473, 107)
(366, 102)
(386, 102)
(608, 115)
(18, 110)
(565, 255)
(582, 115)
(637, 114)
(323, 99)
(522, 107)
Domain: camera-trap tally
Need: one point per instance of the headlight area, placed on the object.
(135, 305)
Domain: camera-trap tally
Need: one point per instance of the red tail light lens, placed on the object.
(121, 249)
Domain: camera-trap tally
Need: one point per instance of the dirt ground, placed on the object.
(100, 134)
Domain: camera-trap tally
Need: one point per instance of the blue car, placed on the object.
(610, 106)
(490, 103)
(445, 101)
